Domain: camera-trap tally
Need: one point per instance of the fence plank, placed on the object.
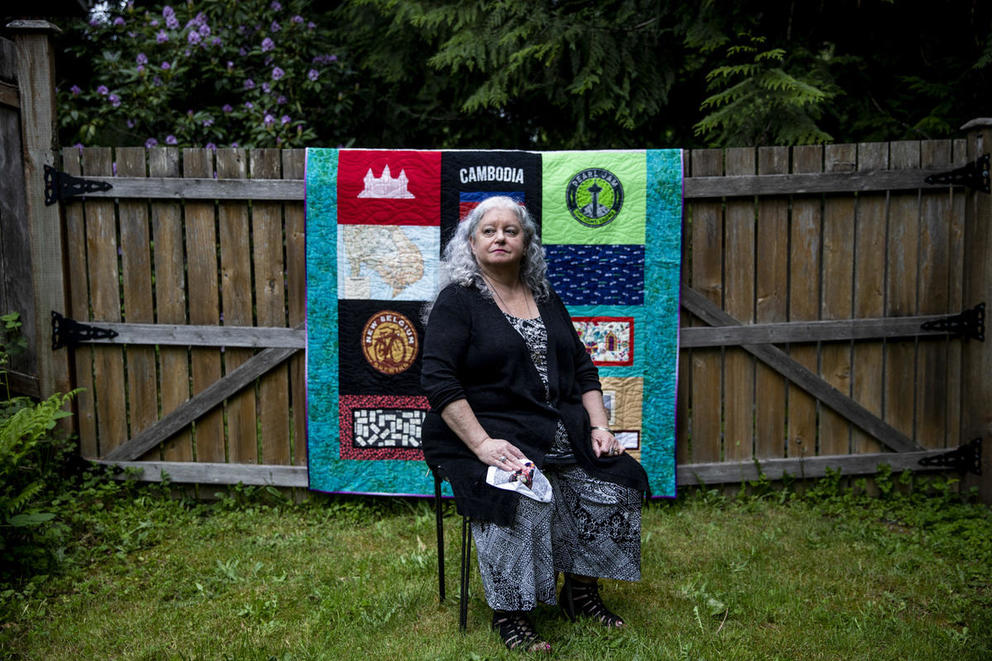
(204, 303)
(955, 301)
(293, 164)
(270, 303)
(170, 299)
(902, 265)
(707, 278)
(236, 299)
(934, 273)
(187, 335)
(79, 297)
(138, 302)
(771, 304)
(838, 282)
(738, 368)
(798, 331)
(869, 287)
(105, 302)
(804, 298)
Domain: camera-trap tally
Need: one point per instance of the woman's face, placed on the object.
(498, 240)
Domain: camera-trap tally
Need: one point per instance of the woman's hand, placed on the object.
(500, 453)
(604, 442)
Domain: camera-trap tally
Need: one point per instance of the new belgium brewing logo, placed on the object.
(594, 197)
(389, 342)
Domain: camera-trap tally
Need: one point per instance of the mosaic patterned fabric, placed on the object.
(377, 221)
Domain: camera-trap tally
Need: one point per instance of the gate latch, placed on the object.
(973, 175)
(62, 186)
(965, 459)
(969, 324)
(69, 332)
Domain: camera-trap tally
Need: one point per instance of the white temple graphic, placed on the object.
(386, 187)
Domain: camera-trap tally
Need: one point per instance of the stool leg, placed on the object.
(440, 536)
(466, 566)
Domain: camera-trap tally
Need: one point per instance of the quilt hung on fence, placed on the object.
(376, 222)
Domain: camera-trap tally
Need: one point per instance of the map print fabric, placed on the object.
(377, 221)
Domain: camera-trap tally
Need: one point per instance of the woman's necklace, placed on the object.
(506, 308)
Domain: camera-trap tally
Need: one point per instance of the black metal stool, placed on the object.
(466, 552)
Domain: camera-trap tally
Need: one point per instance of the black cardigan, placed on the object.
(472, 352)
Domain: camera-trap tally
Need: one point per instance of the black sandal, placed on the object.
(517, 632)
(582, 598)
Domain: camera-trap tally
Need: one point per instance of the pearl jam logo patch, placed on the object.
(594, 197)
(389, 342)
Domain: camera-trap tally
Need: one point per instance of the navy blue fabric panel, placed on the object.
(597, 275)
(487, 173)
(380, 347)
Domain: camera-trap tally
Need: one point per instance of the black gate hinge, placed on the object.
(973, 175)
(969, 324)
(965, 459)
(69, 332)
(62, 186)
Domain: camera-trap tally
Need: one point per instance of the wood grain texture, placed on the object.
(105, 303)
(204, 302)
(234, 232)
(270, 305)
(869, 291)
(707, 278)
(804, 298)
(170, 299)
(138, 301)
(837, 280)
(739, 262)
(293, 165)
(771, 304)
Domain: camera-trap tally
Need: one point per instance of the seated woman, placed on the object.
(509, 382)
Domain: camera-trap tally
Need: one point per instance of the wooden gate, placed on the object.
(812, 281)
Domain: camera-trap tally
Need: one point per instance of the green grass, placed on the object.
(831, 575)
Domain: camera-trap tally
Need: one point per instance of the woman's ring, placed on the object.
(502, 457)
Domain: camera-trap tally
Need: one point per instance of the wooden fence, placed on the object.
(813, 278)
(808, 275)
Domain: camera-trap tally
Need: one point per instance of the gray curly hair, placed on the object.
(458, 263)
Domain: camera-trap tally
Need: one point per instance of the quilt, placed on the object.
(376, 223)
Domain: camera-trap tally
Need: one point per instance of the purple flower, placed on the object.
(313, 74)
(130, 123)
(204, 30)
(249, 84)
(275, 27)
(193, 37)
(78, 146)
(311, 25)
(113, 168)
(227, 107)
(115, 100)
(216, 41)
(150, 142)
(172, 23)
(297, 19)
(208, 122)
(242, 52)
(277, 73)
(156, 81)
(118, 21)
(230, 65)
(234, 145)
(249, 105)
(281, 100)
(153, 23)
(141, 59)
(141, 68)
(161, 37)
(75, 89)
(166, 66)
(275, 6)
(167, 11)
(285, 119)
(187, 52)
(102, 90)
(268, 119)
(268, 44)
(170, 140)
(212, 146)
(266, 88)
